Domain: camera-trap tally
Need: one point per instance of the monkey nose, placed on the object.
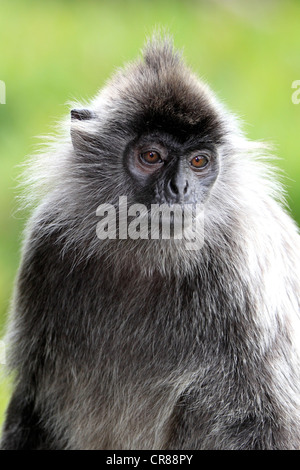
(179, 189)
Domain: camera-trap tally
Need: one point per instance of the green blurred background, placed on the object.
(54, 51)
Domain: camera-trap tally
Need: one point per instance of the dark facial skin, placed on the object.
(168, 171)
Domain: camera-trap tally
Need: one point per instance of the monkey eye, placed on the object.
(151, 157)
(199, 162)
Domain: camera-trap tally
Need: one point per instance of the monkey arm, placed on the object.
(233, 408)
(221, 429)
(22, 429)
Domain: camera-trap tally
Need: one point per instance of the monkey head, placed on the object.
(153, 131)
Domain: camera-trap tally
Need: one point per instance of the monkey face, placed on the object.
(167, 170)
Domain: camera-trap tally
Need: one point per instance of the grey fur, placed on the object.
(141, 344)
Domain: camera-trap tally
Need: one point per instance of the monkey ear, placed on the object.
(81, 114)
(84, 127)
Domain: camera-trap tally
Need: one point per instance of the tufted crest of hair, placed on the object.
(82, 168)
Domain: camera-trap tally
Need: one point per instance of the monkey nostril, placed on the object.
(173, 187)
(186, 187)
